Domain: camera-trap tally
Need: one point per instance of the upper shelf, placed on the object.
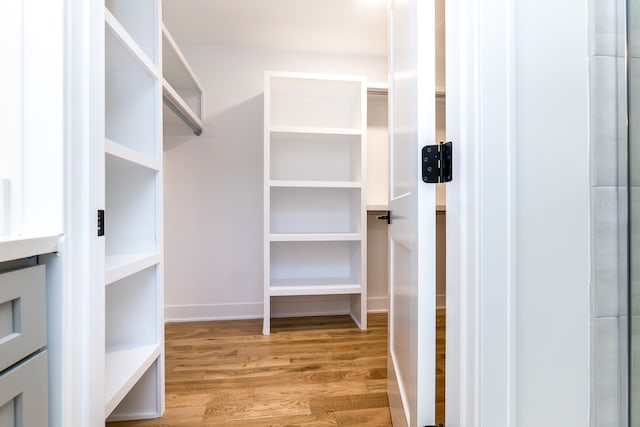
(182, 91)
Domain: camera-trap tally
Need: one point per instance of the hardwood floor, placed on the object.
(312, 371)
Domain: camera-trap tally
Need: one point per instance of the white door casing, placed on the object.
(411, 373)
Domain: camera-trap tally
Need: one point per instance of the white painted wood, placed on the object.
(16, 247)
(316, 130)
(77, 321)
(138, 19)
(411, 384)
(120, 266)
(11, 115)
(316, 184)
(314, 163)
(176, 101)
(133, 242)
(125, 153)
(127, 367)
(499, 315)
(28, 383)
(316, 289)
(310, 237)
(129, 47)
(377, 149)
(179, 75)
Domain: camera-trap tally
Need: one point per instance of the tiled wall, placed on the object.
(608, 213)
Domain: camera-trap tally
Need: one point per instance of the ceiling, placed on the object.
(355, 27)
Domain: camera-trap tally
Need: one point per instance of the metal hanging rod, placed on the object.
(197, 130)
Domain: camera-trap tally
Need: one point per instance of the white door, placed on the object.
(411, 384)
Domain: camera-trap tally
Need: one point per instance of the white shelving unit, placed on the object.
(133, 314)
(314, 192)
(182, 92)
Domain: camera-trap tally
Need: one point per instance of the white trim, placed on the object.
(80, 397)
(299, 306)
(480, 375)
(378, 305)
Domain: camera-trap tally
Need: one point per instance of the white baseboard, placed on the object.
(322, 305)
(198, 312)
(378, 305)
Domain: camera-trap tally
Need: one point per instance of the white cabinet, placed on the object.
(133, 298)
(314, 189)
(23, 356)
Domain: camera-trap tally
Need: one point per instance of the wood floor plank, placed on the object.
(314, 371)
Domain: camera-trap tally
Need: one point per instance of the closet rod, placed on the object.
(195, 127)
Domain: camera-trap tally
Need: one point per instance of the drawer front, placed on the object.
(22, 314)
(23, 393)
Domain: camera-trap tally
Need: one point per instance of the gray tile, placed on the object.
(634, 121)
(634, 33)
(605, 95)
(634, 249)
(605, 378)
(605, 301)
(634, 373)
(607, 23)
(623, 273)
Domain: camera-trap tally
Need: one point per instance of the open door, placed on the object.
(412, 277)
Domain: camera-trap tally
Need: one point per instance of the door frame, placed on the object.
(481, 321)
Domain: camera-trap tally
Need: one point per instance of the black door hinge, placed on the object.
(437, 162)
(100, 222)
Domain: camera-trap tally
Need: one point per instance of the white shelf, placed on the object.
(377, 208)
(316, 130)
(131, 49)
(314, 237)
(177, 105)
(315, 174)
(123, 369)
(299, 288)
(183, 94)
(120, 266)
(16, 247)
(175, 68)
(133, 166)
(314, 184)
(123, 152)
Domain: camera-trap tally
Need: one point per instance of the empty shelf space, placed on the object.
(175, 68)
(315, 184)
(315, 130)
(315, 210)
(123, 152)
(120, 266)
(315, 237)
(140, 20)
(123, 368)
(123, 52)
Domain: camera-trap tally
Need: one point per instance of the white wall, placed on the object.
(552, 213)
(213, 184)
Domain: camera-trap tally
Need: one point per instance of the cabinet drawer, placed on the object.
(22, 314)
(23, 393)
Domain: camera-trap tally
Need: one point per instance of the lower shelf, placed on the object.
(295, 287)
(120, 266)
(123, 369)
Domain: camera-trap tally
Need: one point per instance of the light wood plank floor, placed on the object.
(312, 371)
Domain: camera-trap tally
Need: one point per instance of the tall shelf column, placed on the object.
(133, 299)
(314, 189)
